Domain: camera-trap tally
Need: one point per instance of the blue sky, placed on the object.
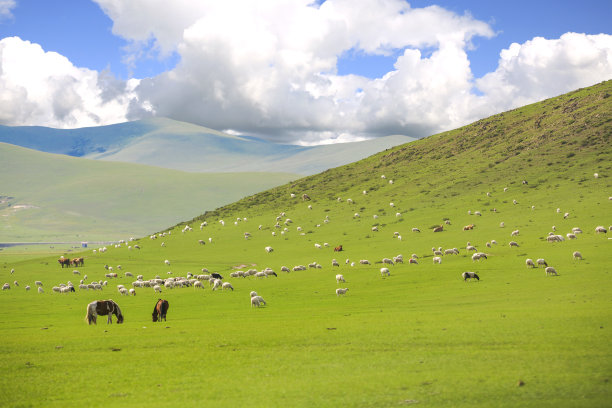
(107, 36)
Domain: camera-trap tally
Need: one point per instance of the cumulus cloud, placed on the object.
(270, 69)
(46, 89)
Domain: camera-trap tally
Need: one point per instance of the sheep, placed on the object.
(398, 214)
(413, 261)
(470, 248)
(577, 255)
(132, 292)
(391, 205)
(341, 291)
(374, 229)
(478, 255)
(576, 230)
(284, 269)
(529, 263)
(364, 262)
(514, 233)
(477, 213)
(216, 284)
(437, 252)
(502, 224)
(570, 236)
(469, 275)
(387, 261)
(600, 229)
(253, 293)
(566, 215)
(541, 261)
(555, 238)
(335, 263)
(398, 259)
(167, 262)
(550, 271)
(437, 260)
(6, 286)
(514, 202)
(257, 301)
(269, 272)
(340, 278)
(318, 246)
(40, 290)
(269, 249)
(227, 285)
(596, 175)
(416, 230)
(385, 271)
(513, 244)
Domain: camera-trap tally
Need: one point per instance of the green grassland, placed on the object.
(55, 198)
(421, 336)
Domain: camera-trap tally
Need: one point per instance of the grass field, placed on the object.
(421, 336)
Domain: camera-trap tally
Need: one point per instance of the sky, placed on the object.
(295, 71)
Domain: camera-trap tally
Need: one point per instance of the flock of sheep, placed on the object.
(281, 225)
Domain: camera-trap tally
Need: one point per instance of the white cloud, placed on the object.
(44, 88)
(542, 68)
(269, 69)
(6, 7)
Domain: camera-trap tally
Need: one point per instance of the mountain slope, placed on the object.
(183, 146)
(48, 197)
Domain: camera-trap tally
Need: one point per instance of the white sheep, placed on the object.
(364, 262)
(437, 260)
(132, 292)
(600, 229)
(550, 271)
(385, 271)
(502, 224)
(514, 233)
(341, 291)
(570, 236)
(227, 285)
(541, 261)
(27, 287)
(387, 261)
(513, 244)
(167, 262)
(529, 263)
(253, 293)
(340, 278)
(257, 301)
(38, 283)
(577, 255)
(269, 249)
(40, 290)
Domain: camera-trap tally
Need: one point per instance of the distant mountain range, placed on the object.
(171, 144)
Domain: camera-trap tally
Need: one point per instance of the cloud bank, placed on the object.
(270, 69)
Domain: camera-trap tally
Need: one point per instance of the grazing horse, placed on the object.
(78, 261)
(160, 310)
(64, 262)
(338, 248)
(103, 307)
(468, 227)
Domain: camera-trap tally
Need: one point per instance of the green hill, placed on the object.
(421, 335)
(48, 197)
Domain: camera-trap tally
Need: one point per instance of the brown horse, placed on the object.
(64, 262)
(338, 248)
(78, 261)
(103, 307)
(160, 310)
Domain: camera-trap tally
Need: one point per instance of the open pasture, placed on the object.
(516, 337)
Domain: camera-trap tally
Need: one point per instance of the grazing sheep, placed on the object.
(412, 261)
(227, 285)
(577, 255)
(132, 292)
(364, 262)
(437, 260)
(27, 287)
(478, 255)
(385, 271)
(416, 230)
(269, 249)
(541, 261)
(257, 301)
(555, 238)
(341, 291)
(6, 286)
(513, 244)
(600, 229)
(469, 275)
(335, 263)
(529, 263)
(566, 216)
(514, 202)
(387, 261)
(340, 278)
(374, 229)
(167, 262)
(40, 290)
(514, 233)
(550, 271)
(570, 236)
(502, 224)
(470, 248)
(284, 269)
(157, 288)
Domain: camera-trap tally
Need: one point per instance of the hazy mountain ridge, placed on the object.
(184, 146)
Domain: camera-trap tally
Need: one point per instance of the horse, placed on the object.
(103, 307)
(160, 310)
(64, 262)
(338, 248)
(78, 261)
(468, 227)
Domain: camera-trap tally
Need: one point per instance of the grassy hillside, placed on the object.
(419, 336)
(48, 197)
